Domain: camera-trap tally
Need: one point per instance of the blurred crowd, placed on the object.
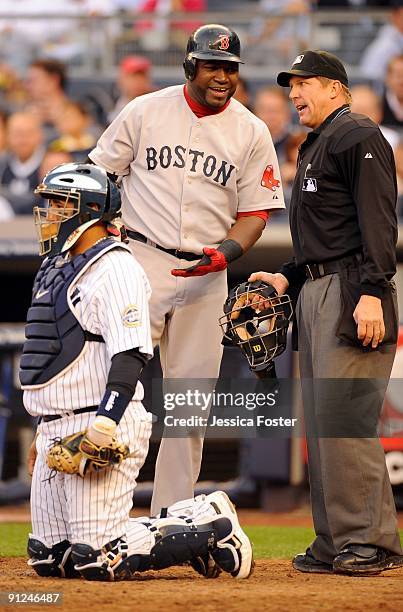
(42, 125)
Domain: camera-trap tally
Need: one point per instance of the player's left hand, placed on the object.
(212, 261)
(368, 315)
(76, 454)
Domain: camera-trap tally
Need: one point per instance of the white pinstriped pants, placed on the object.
(94, 509)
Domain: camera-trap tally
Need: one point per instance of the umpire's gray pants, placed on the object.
(351, 496)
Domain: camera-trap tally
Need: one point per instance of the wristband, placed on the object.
(113, 405)
(231, 249)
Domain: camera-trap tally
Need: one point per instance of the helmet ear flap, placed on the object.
(189, 66)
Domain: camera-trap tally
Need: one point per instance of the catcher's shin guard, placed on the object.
(109, 563)
(182, 542)
(176, 542)
(55, 562)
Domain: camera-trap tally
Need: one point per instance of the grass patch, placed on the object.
(268, 542)
(275, 542)
(279, 542)
(13, 539)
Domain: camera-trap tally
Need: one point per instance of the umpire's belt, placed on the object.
(317, 270)
(175, 252)
(53, 417)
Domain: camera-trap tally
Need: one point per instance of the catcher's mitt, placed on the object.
(76, 454)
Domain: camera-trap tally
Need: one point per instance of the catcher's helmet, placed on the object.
(88, 196)
(211, 42)
(261, 334)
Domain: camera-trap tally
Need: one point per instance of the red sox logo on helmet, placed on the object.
(224, 42)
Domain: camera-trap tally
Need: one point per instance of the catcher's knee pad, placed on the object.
(55, 561)
(109, 563)
(182, 542)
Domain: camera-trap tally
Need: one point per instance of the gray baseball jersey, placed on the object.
(185, 178)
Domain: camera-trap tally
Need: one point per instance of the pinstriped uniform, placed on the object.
(113, 285)
(109, 299)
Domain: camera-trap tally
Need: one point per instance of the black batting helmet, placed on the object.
(211, 42)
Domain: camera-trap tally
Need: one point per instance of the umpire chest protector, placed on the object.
(54, 337)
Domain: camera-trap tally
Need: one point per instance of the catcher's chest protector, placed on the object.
(54, 337)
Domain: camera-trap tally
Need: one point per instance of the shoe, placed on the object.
(306, 562)
(364, 560)
(234, 555)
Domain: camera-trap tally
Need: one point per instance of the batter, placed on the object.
(200, 174)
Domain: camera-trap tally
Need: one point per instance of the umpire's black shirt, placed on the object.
(344, 199)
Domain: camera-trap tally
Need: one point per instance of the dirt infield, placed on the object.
(274, 586)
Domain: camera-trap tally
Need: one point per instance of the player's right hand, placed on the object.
(32, 454)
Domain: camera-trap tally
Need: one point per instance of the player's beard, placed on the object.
(206, 97)
(216, 100)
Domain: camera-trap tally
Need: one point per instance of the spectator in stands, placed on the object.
(134, 79)
(3, 120)
(387, 44)
(399, 172)
(393, 95)
(181, 30)
(51, 159)
(12, 90)
(353, 4)
(160, 32)
(282, 36)
(19, 167)
(6, 210)
(76, 136)
(272, 106)
(242, 93)
(46, 85)
(57, 29)
(367, 102)
(288, 167)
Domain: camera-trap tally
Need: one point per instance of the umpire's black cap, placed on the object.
(315, 63)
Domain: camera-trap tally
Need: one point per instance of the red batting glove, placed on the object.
(212, 261)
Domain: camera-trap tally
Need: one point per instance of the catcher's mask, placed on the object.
(211, 42)
(260, 333)
(85, 196)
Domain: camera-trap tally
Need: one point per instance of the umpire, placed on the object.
(344, 230)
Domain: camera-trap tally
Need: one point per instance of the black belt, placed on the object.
(175, 252)
(53, 417)
(317, 270)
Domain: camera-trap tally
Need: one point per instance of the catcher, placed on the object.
(87, 340)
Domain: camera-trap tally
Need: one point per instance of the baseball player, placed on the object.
(87, 340)
(200, 175)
